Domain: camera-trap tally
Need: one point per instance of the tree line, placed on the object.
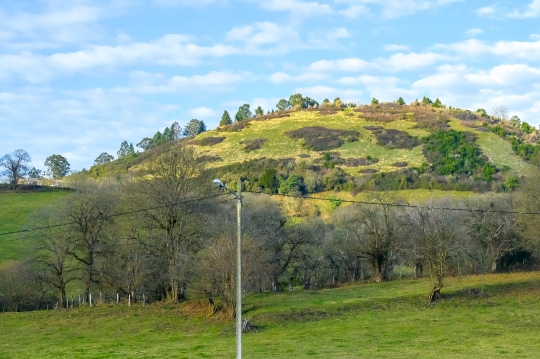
(176, 240)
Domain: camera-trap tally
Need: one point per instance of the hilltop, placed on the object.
(353, 149)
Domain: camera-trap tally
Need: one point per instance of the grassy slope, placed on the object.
(388, 320)
(15, 211)
(281, 146)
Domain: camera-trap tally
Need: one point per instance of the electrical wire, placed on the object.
(115, 215)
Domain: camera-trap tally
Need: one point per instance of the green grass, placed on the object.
(387, 320)
(15, 212)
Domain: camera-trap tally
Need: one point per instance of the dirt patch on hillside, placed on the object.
(395, 139)
(254, 144)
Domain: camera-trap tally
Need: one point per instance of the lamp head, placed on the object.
(217, 183)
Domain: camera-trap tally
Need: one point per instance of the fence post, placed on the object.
(117, 298)
(90, 299)
(129, 300)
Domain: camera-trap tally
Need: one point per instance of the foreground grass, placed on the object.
(388, 320)
(15, 211)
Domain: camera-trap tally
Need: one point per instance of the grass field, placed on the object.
(15, 211)
(387, 320)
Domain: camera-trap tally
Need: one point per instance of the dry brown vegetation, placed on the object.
(207, 141)
(253, 144)
(320, 138)
(390, 138)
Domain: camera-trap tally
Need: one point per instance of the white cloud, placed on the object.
(395, 47)
(298, 8)
(391, 9)
(167, 3)
(534, 37)
(202, 112)
(474, 31)
(153, 83)
(486, 11)
(523, 50)
(283, 77)
(262, 33)
(395, 63)
(350, 64)
(172, 49)
(531, 11)
(338, 33)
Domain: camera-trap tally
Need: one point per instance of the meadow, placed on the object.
(15, 212)
(369, 320)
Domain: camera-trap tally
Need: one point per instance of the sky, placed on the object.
(79, 77)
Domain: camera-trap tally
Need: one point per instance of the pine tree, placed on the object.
(259, 111)
(400, 101)
(225, 119)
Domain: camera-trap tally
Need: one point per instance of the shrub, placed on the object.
(207, 141)
(254, 144)
(395, 139)
(320, 138)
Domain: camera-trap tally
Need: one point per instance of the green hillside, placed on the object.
(15, 211)
(375, 320)
(378, 147)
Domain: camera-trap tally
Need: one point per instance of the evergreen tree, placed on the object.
(374, 101)
(225, 119)
(437, 103)
(400, 101)
(283, 105)
(124, 149)
(427, 100)
(58, 166)
(244, 113)
(259, 111)
(194, 127)
(145, 144)
(103, 158)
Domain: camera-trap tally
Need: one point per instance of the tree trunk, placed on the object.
(418, 269)
(494, 266)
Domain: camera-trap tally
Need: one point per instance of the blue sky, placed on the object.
(79, 77)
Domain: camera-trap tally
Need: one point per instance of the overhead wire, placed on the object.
(115, 214)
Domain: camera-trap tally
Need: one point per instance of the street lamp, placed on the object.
(238, 196)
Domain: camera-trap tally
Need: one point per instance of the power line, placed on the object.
(116, 214)
(405, 205)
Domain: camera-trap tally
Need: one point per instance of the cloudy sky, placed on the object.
(79, 77)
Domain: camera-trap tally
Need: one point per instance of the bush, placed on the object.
(320, 138)
(207, 141)
(254, 144)
(395, 139)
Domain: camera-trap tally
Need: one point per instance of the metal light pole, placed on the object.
(238, 196)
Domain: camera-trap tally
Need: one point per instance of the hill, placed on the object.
(15, 211)
(379, 147)
(390, 320)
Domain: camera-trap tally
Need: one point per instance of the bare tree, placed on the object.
(18, 286)
(15, 166)
(501, 112)
(56, 266)
(90, 211)
(170, 233)
(439, 232)
(494, 234)
(377, 230)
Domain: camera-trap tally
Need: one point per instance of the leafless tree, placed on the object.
(15, 166)
(171, 234)
(439, 233)
(52, 253)
(19, 286)
(377, 230)
(494, 234)
(90, 212)
(501, 112)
